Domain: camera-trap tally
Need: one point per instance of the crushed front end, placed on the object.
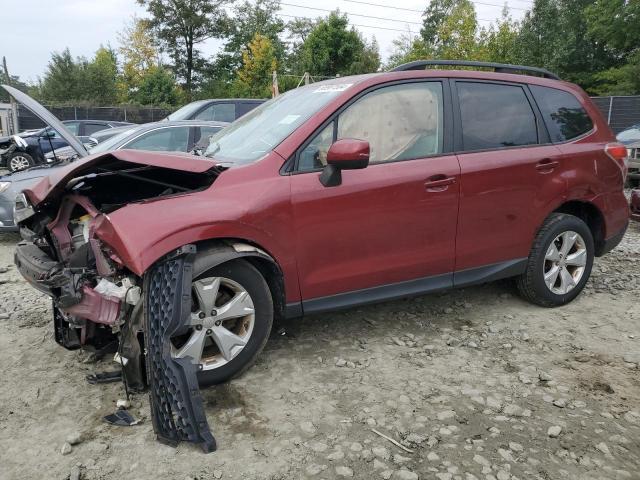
(99, 303)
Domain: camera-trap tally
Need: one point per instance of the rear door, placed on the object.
(391, 222)
(510, 172)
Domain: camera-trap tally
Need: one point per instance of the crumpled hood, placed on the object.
(55, 183)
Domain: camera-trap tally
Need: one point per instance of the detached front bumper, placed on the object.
(67, 286)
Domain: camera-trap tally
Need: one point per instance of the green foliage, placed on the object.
(254, 78)
(101, 76)
(183, 24)
(251, 19)
(157, 87)
(140, 53)
(500, 40)
(332, 48)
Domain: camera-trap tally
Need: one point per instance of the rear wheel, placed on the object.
(19, 161)
(560, 262)
(232, 314)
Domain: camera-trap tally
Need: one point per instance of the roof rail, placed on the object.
(497, 67)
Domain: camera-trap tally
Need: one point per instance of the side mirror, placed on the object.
(48, 133)
(345, 154)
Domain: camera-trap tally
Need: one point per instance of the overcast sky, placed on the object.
(34, 28)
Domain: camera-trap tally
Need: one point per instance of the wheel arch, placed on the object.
(222, 250)
(590, 214)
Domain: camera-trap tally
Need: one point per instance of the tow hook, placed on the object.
(177, 408)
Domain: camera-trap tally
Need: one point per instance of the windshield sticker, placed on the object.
(336, 87)
(289, 119)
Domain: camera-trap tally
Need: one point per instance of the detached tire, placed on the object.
(560, 262)
(222, 357)
(19, 161)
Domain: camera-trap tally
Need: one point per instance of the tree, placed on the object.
(435, 14)
(258, 63)
(140, 53)
(101, 77)
(250, 19)
(456, 33)
(367, 60)
(157, 87)
(500, 41)
(183, 24)
(407, 48)
(61, 79)
(297, 31)
(331, 47)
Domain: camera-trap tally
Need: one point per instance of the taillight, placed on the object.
(619, 153)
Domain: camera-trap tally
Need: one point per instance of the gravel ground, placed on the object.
(474, 384)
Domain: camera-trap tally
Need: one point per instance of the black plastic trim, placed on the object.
(378, 294)
(612, 242)
(489, 273)
(420, 286)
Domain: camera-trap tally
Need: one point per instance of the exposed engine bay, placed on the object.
(98, 302)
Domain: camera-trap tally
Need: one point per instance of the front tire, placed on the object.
(18, 161)
(560, 262)
(231, 320)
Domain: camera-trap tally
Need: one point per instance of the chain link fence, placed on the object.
(620, 112)
(133, 114)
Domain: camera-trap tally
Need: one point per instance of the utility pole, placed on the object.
(13, 116)
(274, 85)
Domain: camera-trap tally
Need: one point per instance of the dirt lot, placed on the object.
(475, 383)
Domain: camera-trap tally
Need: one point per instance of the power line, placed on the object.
(352, 24)
(422, 11)
(364, 16)
(348, 13)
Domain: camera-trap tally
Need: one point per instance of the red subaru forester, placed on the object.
(340, 193)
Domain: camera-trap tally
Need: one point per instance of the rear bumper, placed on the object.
(612, 242)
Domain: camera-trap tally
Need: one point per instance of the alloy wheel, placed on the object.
(222, 321)
(565, 262)
(18, 163)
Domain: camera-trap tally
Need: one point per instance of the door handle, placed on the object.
(546, 165)
(439, 183)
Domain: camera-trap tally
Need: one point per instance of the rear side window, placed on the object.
(495, 116)
(564, 115)
(221, 112)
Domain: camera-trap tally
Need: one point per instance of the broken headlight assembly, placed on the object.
(22, 208)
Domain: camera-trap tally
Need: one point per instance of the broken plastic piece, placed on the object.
(177, 409)
(121, 418)
(104, 377)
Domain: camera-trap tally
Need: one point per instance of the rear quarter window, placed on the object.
(563, 114)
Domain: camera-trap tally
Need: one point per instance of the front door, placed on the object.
(394, 221)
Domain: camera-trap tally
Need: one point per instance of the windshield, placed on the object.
(186, 112)
(261, 130)
(110, 143)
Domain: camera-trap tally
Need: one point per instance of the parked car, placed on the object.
(185, 136)
(631, 139)
(221, 110)
(633, 149)
(635, 205)
(341, 193)
(41, 142)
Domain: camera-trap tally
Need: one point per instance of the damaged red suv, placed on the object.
(340, 193)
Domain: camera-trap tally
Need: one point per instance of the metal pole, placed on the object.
(610, 108)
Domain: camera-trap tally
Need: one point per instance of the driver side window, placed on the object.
(400, 122)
